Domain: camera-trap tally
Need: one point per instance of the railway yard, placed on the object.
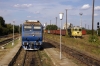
(73, 53)
(32, 34)
(84, 56)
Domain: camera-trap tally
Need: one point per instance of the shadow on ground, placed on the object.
(47, 45)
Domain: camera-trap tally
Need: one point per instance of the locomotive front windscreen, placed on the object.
(80, 29)
(27, 28)
(37, 28)
(76, 29)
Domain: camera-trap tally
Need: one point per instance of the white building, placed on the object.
(68, 25)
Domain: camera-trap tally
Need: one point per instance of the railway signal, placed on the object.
(97, 25)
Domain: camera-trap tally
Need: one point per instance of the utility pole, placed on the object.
(46, 24)
(81, 19)
(50, 22)
(85, 26)
(66, 19)
(88, 27)
(93, 18)
(19, 32)
(56, 21)
(13, 33)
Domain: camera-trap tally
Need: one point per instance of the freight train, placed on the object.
(74, 31)
(32, 35)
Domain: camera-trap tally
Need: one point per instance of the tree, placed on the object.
(10, 28)
(16, 29)
(5, 31)
(90, 31)
(2, 22)
(51, 27)
(1, 29)
(7, 28)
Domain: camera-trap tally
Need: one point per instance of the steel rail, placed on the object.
(38, 52)
(24, 58)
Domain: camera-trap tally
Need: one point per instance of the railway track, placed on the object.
(89, 61)
(7, 40)
(32, 58)
(6, 36)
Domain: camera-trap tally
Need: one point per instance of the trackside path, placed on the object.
(10, 55)
(54, 55)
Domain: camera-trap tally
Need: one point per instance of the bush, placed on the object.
(93, 38)
(99, 32)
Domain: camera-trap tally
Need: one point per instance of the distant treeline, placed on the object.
(95, 32)
(6, 29)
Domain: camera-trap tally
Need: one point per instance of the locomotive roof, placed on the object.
(75, 27)
(32, 23)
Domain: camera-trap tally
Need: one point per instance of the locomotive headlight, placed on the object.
(37, 43)
(25, 43)
(77, 32)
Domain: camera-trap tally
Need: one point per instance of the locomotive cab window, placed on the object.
(37, 28)
(27, 28)
(75, 29)
(80, 29)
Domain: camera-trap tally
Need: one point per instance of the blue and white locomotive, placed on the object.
(32, 35)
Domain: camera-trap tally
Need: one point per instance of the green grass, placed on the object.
(82, 45)
(45, 59)
(9, 45)
(2, 39)
(7, 48)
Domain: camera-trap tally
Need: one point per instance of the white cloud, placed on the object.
(96, 14)
(37, 12)
(45, 10)
(26, 5)
(22, 5)
(28, 16)
(86, 6)
(97, 8)
(17, 5)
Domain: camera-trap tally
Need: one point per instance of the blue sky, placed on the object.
(46, 10)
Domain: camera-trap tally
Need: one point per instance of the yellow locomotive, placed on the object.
(75, 31)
